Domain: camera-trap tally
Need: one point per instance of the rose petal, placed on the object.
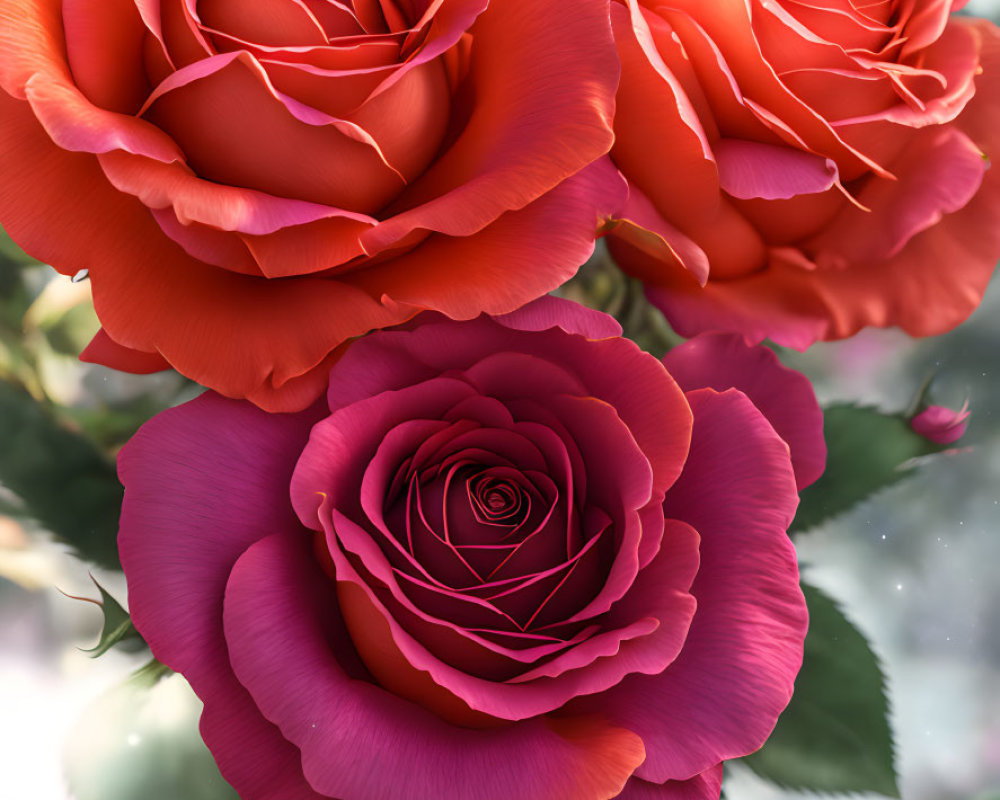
(641, 225)
(721, 361)
(32, 41)
(938, 174)
(499, 269)
(103, 42)
(237, 130)
(279, 22)
(105, 350)
(722, 696)
(391, 746)
(704, 786)
(554, 312)
(752, 169)
(558, 106)
(650, 91)
(203, 482)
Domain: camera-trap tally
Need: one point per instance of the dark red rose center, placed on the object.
(497, 501)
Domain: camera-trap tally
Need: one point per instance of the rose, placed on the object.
(522, 563)
(252, 184)
(801, 170)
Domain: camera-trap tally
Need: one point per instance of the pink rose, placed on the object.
(507, 558)
(800, 170)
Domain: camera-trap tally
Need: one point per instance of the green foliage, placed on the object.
(835, 735)
(150, 674)
(868, 450)
(602, 285)
(63, 480)
(117, 627)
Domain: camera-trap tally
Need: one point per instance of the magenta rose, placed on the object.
(508, 558)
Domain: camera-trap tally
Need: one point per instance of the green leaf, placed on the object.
(65, 481)
(117, 627)
(835, 735)
(149, 674)
(867, 450)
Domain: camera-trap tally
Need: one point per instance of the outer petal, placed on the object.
(357, 740)
(202, 482)
(105, 350)
(722, 361)
(722, 696)
(705, 786)
(31, 40)
(554, 312)
(759, 306)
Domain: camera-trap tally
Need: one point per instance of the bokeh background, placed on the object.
(915, 568)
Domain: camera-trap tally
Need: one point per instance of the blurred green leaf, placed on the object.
(11, 254)
(835, 735)
(150, 674)
(867, 450)
(111, 425)
(602, 285)
(117, 627)
(72, 330)
(65, 482)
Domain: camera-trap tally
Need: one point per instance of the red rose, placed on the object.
(253, 184)
(507, 558)
(799, 170)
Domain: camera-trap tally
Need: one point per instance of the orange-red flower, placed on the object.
(800, 169)
(253, 184)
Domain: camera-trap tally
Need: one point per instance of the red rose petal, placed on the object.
(104, 40)
(105, 350)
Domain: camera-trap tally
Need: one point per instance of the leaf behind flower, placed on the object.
(867, 451)
(835, 734)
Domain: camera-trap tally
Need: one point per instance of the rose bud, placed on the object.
(941, 425)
